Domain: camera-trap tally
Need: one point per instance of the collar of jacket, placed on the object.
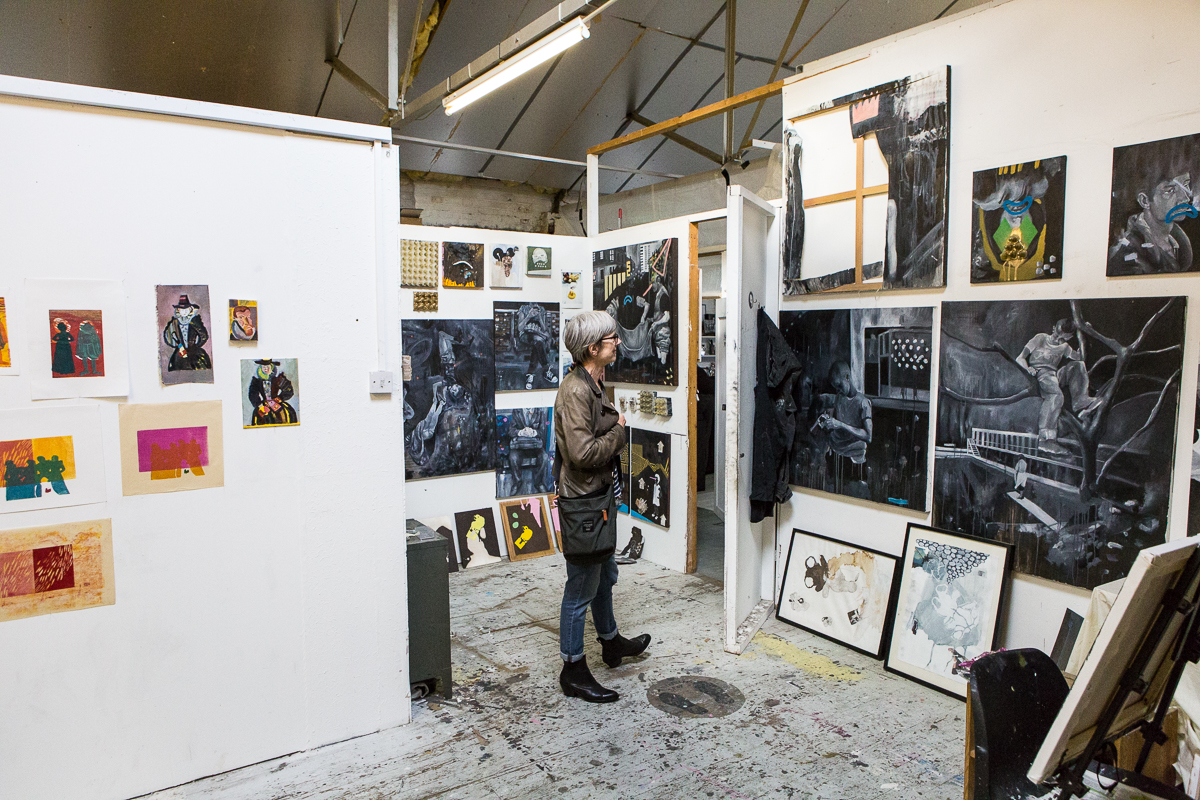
(591, 382)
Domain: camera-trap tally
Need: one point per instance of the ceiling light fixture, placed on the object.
(524, 61)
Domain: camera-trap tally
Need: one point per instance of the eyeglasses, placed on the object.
(612, 337)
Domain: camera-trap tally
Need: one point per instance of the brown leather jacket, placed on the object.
(586, 433)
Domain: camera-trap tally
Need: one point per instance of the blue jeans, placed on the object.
(586, 586)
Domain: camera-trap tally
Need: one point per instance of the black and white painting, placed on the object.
(527, 345)
(872, 213)
(1017, 221)
(863, 400)
(1154, 219)
(650, 476)
(638, 286)
(449, 397)
(1056, 429)
(524, 451)
(1193, 524)
(478, 541)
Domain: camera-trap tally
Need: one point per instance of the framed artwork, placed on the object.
(526, 528)
(419, 264)
(539, 262)
(951, 591)
(77, 335)
(270, 392)
(505, 266)
(524, 451)
(477, 540)
(650, 476)
(55, 568)
(8, 364)
(1017, 222)
(1154, 216)
(171, 447)
(243, 321)
(51, 458)
(526, 342)
(1051, 421)
(184, 322)
(572, 293)
(638, 286)
(462, 265)
(863, 420)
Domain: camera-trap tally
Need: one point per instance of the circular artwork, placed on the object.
(694, 696)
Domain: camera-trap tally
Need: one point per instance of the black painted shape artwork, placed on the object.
(524, 451)
(449, 397)
(1056, 429)
(526, 337)
(478, 543)
(462, 265)
(1017, 222)
(638, 286)
(650, 476)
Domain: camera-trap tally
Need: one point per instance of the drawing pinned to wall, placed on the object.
(243, 321)
(526, 528)
(539, 262)
(78, 342)
(875, 201)
(638, 286)
(838, 590)
(171, 447)
(51, 458)
(54, 568)
(449, 397)
(524, 451)
(650, 476)
(77, 335)
(477, 541)
(1017, 222)
(792, 241)
(863, 402)
(445, 527)
(7, 364)
(527, 342)
(1051, 419)
(572, 292)
(184, 322)
(506, 266)
(1154, 217)
(462, 265)
(270, 392)
(951, 591)
(419, 264)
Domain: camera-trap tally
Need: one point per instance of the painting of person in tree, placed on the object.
(186, 335)
(269, 392)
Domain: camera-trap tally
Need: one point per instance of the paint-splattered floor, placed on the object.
(818, 721)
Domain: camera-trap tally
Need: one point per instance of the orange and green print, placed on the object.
(5, 353)
(34, 468)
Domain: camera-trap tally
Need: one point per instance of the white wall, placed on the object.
(1084, 78)
(267, 616)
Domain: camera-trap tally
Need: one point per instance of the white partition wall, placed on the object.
(269, 615)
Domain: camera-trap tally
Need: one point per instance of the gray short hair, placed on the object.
(585, 330)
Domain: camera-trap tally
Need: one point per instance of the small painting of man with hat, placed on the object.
(268, 393)
(183, 354)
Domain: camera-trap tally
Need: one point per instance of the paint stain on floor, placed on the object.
(812, 663)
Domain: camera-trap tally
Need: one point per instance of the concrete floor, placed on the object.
(819, 721)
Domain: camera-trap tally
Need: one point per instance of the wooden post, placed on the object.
(693, 355)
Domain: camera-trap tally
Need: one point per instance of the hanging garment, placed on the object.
(775, 409)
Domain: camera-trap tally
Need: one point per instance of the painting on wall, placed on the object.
(552, 503)
(838, 590)
(443, 526)
(419, 264)
(462, 265)
(951, 591)
(524, 451)
(449, 397)
(527, 337)
(1193, 524)
(863, 402)
(76, 331)
(55, 568)
(650, 476)
(526, 528)
(184, 322)
(792, 241)
(243, 321)
(623, 502)
(1017, 222)
(1154, 216)
(7, 364)
(572, 292)
(539, 262)
(51, 458)
(477, 541)
(505, 269)
(1051, 419)
(270, 392)
(874, 202)
(638, 286)
(171, 447)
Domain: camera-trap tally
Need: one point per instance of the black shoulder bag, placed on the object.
(588, 522)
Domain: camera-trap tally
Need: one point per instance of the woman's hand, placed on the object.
(621, 419)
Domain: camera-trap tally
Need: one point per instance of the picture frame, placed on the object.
(810, 592)
(954, 620)
(528, 531)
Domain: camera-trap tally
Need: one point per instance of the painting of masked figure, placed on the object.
(1055, 426)
(449, 397)
(524, 451)
(184, 322)
(874, 196)
(506, 266)
(462, 265)
(1154, 216)
(478, 543)
(638, 286)
(649, 488)
(526, 345)
(270, 392)
(863, 402)
(539, 262)
(1017, 222)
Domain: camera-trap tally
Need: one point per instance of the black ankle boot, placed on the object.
(618, 647)
(576, 681)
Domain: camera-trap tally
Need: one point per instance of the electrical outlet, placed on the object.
(381, 382)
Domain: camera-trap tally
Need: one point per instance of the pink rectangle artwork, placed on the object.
(171, 448)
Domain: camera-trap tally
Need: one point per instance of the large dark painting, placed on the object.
(863, 422)
(638, 285)
(1154, 219)
(650, 476)
(449, 397)
(1056, 429)
(526, 345)
(524, 451)
(1017, 222)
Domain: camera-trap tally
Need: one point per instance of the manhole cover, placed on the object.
(691, 697)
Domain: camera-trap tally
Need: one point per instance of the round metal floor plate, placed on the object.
(692, 696)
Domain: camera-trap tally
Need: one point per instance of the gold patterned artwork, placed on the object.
(425, 301)
(419, 264)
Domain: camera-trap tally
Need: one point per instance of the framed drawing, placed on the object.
(951, 590)
(526, 528)
(838, 590)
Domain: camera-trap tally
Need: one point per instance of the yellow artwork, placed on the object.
(54, 568)
(5, 353)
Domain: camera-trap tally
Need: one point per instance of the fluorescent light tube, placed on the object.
(524, 61)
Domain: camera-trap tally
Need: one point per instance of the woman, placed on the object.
(269, 394)
(64, 359)
(590, 434)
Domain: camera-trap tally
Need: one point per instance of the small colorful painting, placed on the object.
(270, 392)
(184, 322)
(54, 568)
(539, 262)
(243, 321)
(572, 295)
(6, 361)
(526, 528)
(78, 338)
(76, 330)
(33, 467)
(506, 266)
(171, 447)
(1017, 222)
(477, 541)
(50, 458)
(419, 264)
(462, 265)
